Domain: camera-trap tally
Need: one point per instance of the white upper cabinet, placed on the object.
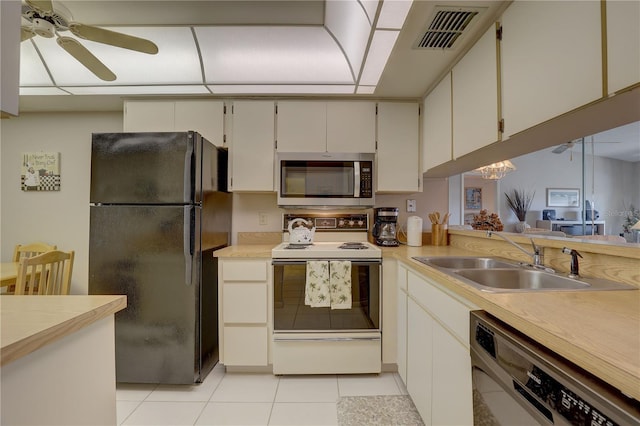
(318, 126)
(475, 97)
(302, 126)
(436, 140)
(551, 60)
(397, 160)
(251, 153)
(351, 126)
(149, 116)
(203, 116)
(623, 44)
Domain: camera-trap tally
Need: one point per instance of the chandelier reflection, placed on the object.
(497, 170)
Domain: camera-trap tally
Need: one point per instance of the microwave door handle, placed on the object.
(356, 179)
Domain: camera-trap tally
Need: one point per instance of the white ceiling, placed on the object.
(297, 47)
(621, 143)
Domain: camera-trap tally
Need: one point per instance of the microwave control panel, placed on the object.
(366, 179)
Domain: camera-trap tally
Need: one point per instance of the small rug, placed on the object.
(382, 410)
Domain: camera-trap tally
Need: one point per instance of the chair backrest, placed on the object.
(30, 250)
(45, 274)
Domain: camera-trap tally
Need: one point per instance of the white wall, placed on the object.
(58, 217)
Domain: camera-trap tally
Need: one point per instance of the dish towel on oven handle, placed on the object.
(340, 284)
(316, 292)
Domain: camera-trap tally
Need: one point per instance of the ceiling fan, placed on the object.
(562, 148)
(40, 17)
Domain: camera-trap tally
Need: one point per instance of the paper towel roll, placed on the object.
(414, 231)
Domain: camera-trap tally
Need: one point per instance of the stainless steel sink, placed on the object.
(496, 275)
(465, 262)
(520, 279)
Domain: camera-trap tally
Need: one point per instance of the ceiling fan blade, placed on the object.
(43, 7)
(89, 32)
(26, 33)
(86, 58)
(560, 148)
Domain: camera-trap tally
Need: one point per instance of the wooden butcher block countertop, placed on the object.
(31, 322)
(597, 330)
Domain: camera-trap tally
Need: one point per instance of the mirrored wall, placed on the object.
(589, 186)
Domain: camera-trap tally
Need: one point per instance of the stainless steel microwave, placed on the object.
(325, 179)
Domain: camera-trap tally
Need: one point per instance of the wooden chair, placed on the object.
(23, 251)
(30, 250)
(45, 274)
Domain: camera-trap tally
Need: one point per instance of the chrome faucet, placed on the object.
(536, 255)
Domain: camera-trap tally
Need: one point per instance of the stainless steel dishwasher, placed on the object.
(518, 381)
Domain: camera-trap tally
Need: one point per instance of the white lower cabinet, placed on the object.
(434, 362)
(420, 359)
(245, 318)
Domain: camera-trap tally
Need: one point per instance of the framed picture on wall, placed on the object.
(40, 171)
(563, 197)
(472, 198)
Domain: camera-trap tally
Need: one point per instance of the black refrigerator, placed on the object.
(159, 207)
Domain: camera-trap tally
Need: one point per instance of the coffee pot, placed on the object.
(384, 227)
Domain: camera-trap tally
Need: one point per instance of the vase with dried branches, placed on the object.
(519, 201)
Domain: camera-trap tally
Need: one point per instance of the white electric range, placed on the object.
(327, 340)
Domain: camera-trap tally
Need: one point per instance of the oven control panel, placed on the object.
(330, 221)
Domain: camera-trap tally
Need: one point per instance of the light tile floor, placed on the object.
(248, 399)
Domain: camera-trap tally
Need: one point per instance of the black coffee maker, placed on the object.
(384, 226)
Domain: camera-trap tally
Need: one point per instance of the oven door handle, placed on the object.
(324, 339)
(275, 262)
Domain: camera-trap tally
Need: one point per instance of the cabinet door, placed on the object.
(419, 358)
(251, 150)
(246, 346)
(398, 162)
(351, 126)
(551, 60)
(623, 44)
(302, 126)
(436, 142)
(475, 97)
(401, 313)
(149, 116)
(452, 399)
(204, 117)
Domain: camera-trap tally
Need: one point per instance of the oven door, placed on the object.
(290, 314)
(319, 340)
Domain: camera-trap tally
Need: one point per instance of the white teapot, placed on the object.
(301, 234)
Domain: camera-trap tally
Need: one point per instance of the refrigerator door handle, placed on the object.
(187, 245)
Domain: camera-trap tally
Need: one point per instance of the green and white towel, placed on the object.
(340, 284)
(316, 292)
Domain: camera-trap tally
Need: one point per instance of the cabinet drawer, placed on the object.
(244, 270)
(244, 346)
(449, 312)
(244, 303)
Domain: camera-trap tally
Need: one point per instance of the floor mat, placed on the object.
(384, 410)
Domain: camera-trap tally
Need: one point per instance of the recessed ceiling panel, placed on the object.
(379, 51)
(348, 23)
(175, 63)
(271, 55)
(32, 70)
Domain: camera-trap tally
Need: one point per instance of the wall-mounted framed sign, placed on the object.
(40, 171)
